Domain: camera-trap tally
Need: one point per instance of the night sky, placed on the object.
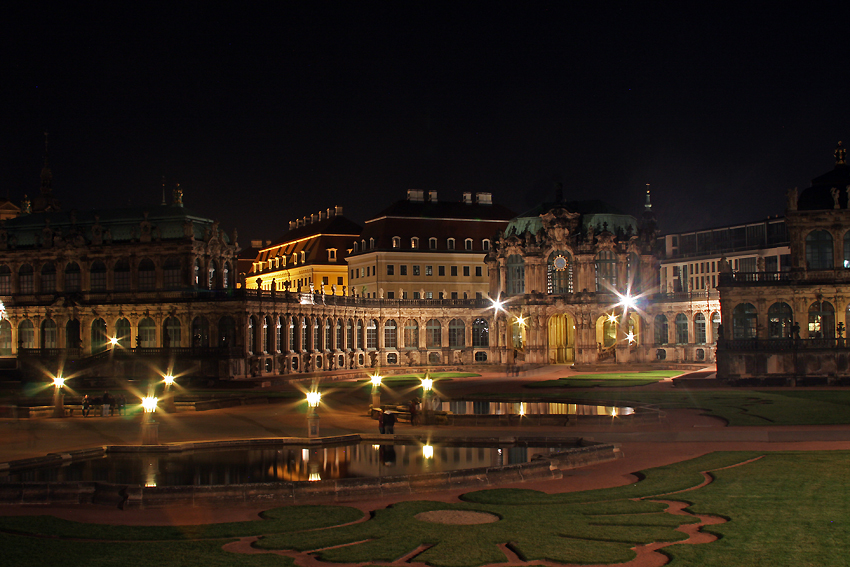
(265, 115)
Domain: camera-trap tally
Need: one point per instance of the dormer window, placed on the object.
(363, 244)
(467, 244)
(396, 242)
(485, 244)
(303, 256)
(294, 259)
(414, 242)
(432, 243)
(371, 244)
(331, 254)
(355, 247)
(450, 243)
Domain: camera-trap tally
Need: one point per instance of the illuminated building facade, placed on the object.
(789, 325)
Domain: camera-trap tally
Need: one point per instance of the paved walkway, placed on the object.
(682, 435)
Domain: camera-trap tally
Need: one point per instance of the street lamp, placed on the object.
(313, 399)
(58, 397)
(168, 400)
(376, 391)
(427, 386)
(150, 428)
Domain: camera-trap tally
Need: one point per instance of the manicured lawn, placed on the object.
(783, 509)
(606, 380)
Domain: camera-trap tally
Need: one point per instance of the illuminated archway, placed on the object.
(562, 339)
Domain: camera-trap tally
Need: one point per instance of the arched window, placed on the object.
(559, 271)
(606, 271)
(227, 332)
(72, 277)
(329, 334)
(278, 343)
(699, 329)
(147, 333)
(25, 279)
(171, 336)
(414, 242)
(515, 275)
(662, 335)
(196, 274)
(744, 320)
(371, 243)
(5, 280)
(211, 275)
(821, 320)
(172, 273)
(268, 334)
(349, 334)
(390, 334)
(779, 321)
(485, 244)
(432, 334)
(432, 243)
(26, 334)
(121, 275)
(340, 338)
(681, 329)
(5, 338)
(372, 335)
(48, 277)
(609, 332)
(457, 334)
(290, 333)
(819, 250)
(450, 243)
(97, 275)
(250, 337)
(467, 244)
(99, 340)
(396, 242)
(147, 274)
(122, 332)
(73, 338)
(317, 333)
(225, 276)
(305, 334)
(480, 333)
(411, 334)
(359, 336)
(49, 334)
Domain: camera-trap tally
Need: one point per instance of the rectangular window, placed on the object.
(352, 274)
(466, 271)
(713, 281)
(404, 295)
(415, 270)
(441, 270)
(390, 270)
(477, 271)
(6, 283)
(362, 272)
(429, 295)
(454, 295)
(429, 270)
(454, 271)
(478, 295)
(713, 269)
(324, 280)
(339, 280)
(390, 295)
(402, 270)
(416, 295)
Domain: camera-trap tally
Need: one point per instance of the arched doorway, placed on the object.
(562, 339)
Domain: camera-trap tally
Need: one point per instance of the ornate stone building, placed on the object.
(789, 325)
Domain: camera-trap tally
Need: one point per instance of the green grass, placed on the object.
(606, 380)
(783, 509)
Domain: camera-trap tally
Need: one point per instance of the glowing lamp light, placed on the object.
(630, 337)
(615, 412)
(612, 318)
(58, 381)
(428, 451)
(376, 447)
(149, 404)
(168, 379)
(627, 301)
(314, 477)
(313, 399)
(376, 380)
(520, 321)
(113, 341)
(496, 305)
(427, 384)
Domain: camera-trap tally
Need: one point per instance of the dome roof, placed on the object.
(819, 195)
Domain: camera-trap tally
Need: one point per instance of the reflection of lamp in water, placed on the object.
(314, 474)
(427, 385)
(521, 409)
(376, 390)
(313, 399)
(150, 429)
(151, 471)
(58, 397)
(614, 411)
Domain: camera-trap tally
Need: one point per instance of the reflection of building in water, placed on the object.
(477, 407)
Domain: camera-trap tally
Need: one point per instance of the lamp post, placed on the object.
(167, 398)
(313, 399)
(58, 397)
(150, 428)
(376, 391)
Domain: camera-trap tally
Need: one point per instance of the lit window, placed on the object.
(414, 242)
(396, 242)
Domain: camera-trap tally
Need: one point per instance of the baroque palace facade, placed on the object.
(424, 283)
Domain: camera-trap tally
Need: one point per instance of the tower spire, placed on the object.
(648, 204)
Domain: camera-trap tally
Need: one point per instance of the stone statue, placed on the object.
(792, 199)
(834, 191)
(333, 289)
(760, 264)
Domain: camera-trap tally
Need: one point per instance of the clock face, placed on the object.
(560, 263)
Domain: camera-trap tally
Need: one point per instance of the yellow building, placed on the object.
(311, 256)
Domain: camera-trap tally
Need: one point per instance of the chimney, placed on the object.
(467, 198)
(416, 195)
(338, 210)
(484, 198)
(293, 225)
(432, 196)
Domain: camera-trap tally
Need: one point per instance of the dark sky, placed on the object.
(267, 114)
